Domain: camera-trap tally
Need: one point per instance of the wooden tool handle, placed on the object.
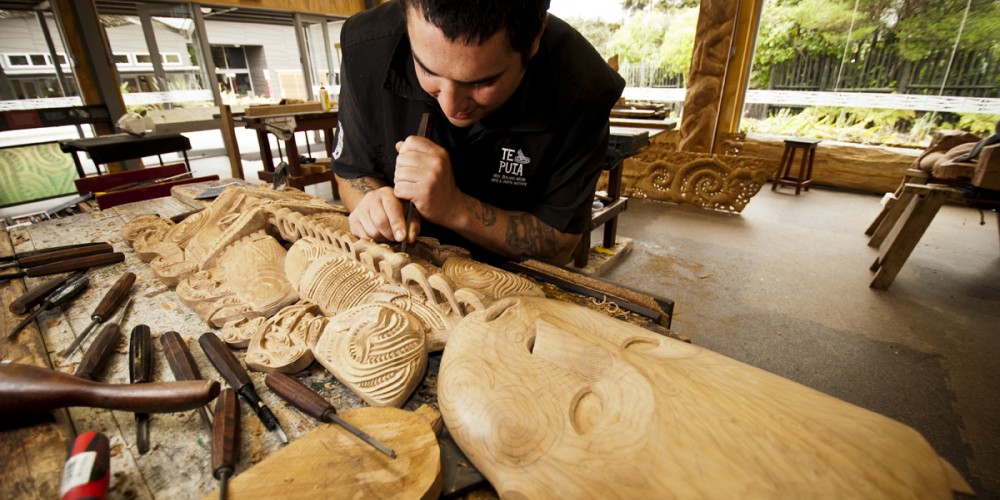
(30, 253)
(140, 355)
(179, 357)
(61, 255)
(36, 295)
(29, 389)
(115, 296)
(224, 361)
(76, 264)
(298, 395)
(99, 352)
(225, 435)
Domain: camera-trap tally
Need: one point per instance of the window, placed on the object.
(143, 59)
(39, 60)
(119, 58)
(171, 58)
(18, 60)
(62, 59)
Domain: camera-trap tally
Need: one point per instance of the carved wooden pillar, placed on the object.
(720, 69)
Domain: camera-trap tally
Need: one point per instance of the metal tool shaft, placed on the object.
(60, 296)
(115, 296)
(423, 130)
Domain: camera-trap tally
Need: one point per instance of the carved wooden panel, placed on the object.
(718, 182)
(552, 400)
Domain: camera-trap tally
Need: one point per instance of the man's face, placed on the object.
(468, 81)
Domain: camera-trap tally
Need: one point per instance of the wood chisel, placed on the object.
(234, 373)
(225, 439)
(58, 256)
(424, 130)
(26, 389)
(67, 292)
(38, 294)
(115, 296)
(140, 371)
(317, 407)
(29, 253)
(77, 264)
(182, 365)
(100, 349)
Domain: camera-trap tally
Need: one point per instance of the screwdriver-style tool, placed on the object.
(65, 266)
(182, 365)
(29, 253)
(116, 295)
(423, 130)
(317, 407)
(87, 470)
(100, 349)
(67, 292)
(58, 255)
(225, 439)
(140, 371)
(234, 373)
(38, 294)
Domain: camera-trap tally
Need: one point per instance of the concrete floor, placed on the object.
(784, 287)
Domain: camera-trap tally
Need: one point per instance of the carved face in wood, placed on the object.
(549, 399)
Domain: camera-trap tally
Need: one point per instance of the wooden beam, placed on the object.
(322, 7)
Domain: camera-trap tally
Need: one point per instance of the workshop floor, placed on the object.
(784, 287)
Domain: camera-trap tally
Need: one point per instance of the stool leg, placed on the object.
(781, 166)
(892, 216)
(809, 172)
(802, 172)
(901, 245)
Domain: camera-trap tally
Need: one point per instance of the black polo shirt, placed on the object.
(541, 152)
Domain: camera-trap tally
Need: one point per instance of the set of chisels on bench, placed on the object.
(27, 390)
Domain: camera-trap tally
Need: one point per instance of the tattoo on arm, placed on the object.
(361, 185)
(484, 213)
(530, 236)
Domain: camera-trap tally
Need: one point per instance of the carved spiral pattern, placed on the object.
(492, 282)
(377, 350)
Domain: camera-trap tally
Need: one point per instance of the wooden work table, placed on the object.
(178, 463)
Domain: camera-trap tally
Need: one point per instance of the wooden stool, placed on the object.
(784, 176)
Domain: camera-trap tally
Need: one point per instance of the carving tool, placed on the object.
(182, 365)
(317, 407)
(87, 470)
(58, 255)
(140, 371)
(116, 295)
(423, 130)
(100, 349)
(77, 264)
(236, 375)
(29, 253)
(225, 439)
(29, 389)
(61, 296)
(38, 294)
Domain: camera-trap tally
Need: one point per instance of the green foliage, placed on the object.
(597, 32)
(640, 37)
(936, 28)
(678, 41)
(865, 126)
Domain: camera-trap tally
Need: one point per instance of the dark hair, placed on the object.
(475, 21)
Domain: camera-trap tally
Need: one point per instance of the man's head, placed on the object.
(471, 54)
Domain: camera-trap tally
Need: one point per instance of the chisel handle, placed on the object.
(225, 435)
(114, 297)
(224, 361)
(299, 396)
(29, 389)
(140, 355)
(61, 255)
(99, 352)
(179, 357)
(38, 294)
(29, 253)
(77, 264)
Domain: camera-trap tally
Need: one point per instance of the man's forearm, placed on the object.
(352, 190)
(512, 233)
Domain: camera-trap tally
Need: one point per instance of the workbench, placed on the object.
(325, 121)
(178, 463)
(118, 147)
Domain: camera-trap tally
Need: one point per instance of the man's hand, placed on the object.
(424, 176)
(381, 216)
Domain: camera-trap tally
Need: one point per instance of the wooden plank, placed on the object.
(283, 109)
(33, 453)
(105, 182)
(907, 233)
(229, 138)
(159, 190)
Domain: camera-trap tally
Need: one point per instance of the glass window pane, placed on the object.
(143, 59)
(18, 60)
(39, 60)
(236, 58)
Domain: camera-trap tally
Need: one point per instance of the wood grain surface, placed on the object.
(552, 400)
(331, 463)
